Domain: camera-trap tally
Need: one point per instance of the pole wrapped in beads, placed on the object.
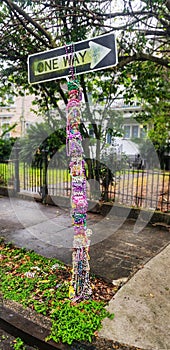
(80, 284)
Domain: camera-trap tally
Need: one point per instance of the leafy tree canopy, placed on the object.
(142, 29)
(41, 138)
(6, 144)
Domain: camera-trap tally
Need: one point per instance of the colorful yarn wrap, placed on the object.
(80, 285)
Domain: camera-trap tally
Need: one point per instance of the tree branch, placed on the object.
(167, 3)
(142, 57)
(124, 14)
(15, 8)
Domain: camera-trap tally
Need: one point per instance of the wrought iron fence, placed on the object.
(137, 188)
(140, 188)
(30, 177)
(7, 174)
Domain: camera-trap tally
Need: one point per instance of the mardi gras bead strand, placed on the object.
(80, 284)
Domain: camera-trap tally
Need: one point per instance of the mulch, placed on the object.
(102, 291)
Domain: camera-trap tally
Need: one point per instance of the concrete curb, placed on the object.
(34, 335)
(147, 215)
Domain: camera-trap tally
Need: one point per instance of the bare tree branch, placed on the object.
(167, 3)
(124, 60)
(16, 9)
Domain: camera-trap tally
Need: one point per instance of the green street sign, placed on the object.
(87, 56)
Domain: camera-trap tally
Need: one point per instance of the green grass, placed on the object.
(43, 285)
(3, 174)
(32, 176)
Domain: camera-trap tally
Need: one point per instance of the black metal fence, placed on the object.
(141, 188)
(7, 174)
(131, 187)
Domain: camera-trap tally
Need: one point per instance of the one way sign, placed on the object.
(87, 56)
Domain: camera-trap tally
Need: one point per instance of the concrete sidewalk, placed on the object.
(142, 307)
(118, 251)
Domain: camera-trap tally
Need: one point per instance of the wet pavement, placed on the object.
(123, 250)
(117, 250)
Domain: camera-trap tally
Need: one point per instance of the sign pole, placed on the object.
(80, 283)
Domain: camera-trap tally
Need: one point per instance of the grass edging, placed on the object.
(42, 285)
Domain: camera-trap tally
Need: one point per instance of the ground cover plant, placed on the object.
(42, 284)
(9, 342)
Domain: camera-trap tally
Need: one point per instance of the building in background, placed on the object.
(132, 129)
(19, 112)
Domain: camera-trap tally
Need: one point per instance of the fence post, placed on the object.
(16, 166)
(44, 175)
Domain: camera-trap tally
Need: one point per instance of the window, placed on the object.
(4, 127)
(135, 131)
(7, 100)
(127, 131)
(143, 131)
(109, 138)
(91, 131)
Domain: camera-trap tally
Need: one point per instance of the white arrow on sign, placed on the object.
(93, 55)
(97, 52)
